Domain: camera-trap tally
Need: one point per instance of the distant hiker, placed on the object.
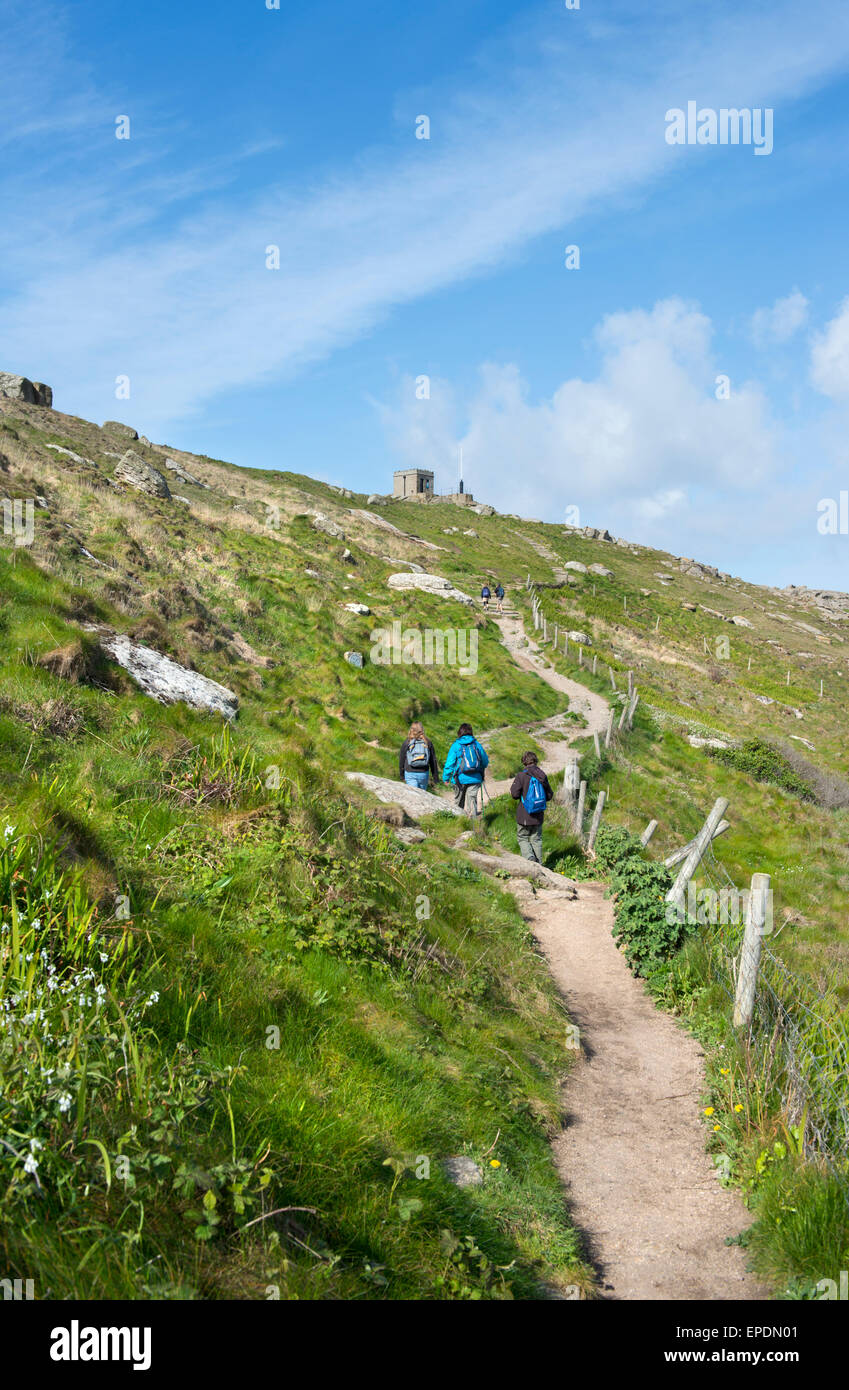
(464, 768)
(417, 759)
(486, 595)
(499, 594)
(532, 793)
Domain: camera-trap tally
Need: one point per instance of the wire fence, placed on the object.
(797, 1045)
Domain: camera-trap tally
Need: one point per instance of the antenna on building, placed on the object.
(461, 470)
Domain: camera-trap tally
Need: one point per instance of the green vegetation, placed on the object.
(267, 1016)
(646, 930)
(505, 750)
(765, 764)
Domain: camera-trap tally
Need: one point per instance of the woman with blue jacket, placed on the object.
(464, 768)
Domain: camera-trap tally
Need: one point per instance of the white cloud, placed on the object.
(830, 356)
(658, 507)
(645, 441)
(778, 323)
(189, 311)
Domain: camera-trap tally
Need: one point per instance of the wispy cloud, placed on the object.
(120, 280)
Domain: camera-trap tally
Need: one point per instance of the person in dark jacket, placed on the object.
(417, 759)
(532, 792)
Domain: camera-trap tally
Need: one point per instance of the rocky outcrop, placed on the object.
(431, 584)
(115, 427)
(415, 803)
(20, 388)
(394, 530)
(602, 571)
(165, 680)
(136, 472)
(329, 528)
(518, 867)
(184, 475)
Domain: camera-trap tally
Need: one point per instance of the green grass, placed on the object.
(262, 897)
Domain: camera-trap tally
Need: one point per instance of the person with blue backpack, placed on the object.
(417, 758)
(486, 595)
(532, 792)
(464, 768)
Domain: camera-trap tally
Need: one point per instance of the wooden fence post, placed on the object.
(612, 678)
(556, 630)
(570, 783)
(623, 715)
(648, 832)
(579, 814)
(632, 709)
(630, 684)
(678, 854)
(750, 955)
(599, 807)
(609, 731)
(596, 742)
(678, 891)
(595, 664)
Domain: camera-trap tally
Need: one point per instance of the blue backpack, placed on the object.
(470, 757)
(533, 799)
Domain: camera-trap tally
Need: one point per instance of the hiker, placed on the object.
(417, 759)
(499, 594)
(531, 792)
(486, 595)
(464, 768)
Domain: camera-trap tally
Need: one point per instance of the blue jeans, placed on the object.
(417, 779)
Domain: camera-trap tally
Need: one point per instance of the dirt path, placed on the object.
(632, 1157)
(556, 753)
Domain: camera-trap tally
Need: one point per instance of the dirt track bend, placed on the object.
(631, 1153)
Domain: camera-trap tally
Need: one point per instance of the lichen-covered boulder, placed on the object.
(136, 472)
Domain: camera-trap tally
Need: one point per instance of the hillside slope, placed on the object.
(273, 1018)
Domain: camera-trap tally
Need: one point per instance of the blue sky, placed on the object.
(592, 388)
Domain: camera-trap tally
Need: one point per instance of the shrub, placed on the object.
(647, 931)
(764, 763)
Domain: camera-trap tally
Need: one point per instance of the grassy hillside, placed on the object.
(245, 1025)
